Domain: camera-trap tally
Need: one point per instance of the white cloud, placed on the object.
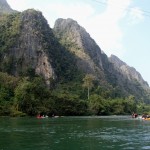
(136, 15)
(105, 28)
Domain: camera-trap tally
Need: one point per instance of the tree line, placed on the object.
(30, 96)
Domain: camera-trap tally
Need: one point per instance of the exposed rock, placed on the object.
(33, 24)
(111, 73)
(78, 41)
(30, 51)
(5, 8)
(129, 72)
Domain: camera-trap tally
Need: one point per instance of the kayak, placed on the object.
(41, 117)
(147, 119)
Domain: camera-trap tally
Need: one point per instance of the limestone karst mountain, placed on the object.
(109, 71)
(29, 47)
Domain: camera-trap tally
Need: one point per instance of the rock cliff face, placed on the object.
(110, 72)
(78, 41)
(4, 7)
(129, 72)
(30, 49)
(29, 52)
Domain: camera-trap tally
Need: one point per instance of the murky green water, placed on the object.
(74, 133)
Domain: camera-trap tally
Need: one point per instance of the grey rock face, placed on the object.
(110, 72)
(30, 50)
(79, 42)
(129, 72)
(4, 7)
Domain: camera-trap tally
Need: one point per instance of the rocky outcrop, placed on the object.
(78, 41)
(111, 73)
(32, 49)
(128, 72)
(29, 53)
(5, 8)
(31, 43)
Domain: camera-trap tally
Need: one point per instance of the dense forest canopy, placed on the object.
(25, 96)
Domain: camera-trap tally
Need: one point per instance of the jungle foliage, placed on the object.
(26, 96)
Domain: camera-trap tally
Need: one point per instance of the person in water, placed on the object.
(134, 115)
(144, 116)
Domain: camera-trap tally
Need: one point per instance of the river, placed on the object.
(74, 133)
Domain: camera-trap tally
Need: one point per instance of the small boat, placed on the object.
(146, 118)
(41, 117)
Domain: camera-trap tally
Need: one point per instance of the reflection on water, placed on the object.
(74, 133)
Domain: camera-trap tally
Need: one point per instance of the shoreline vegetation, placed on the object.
(30, 97)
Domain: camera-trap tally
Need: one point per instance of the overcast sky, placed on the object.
(120, 27)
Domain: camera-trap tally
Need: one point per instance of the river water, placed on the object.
(74, 133)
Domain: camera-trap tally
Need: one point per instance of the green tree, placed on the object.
(69, 104)
(129, 105)
(31, 96)
(116, 106)
(98, 105)
(88, 83)
(7, 85)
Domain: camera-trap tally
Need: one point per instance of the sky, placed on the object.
(119, 27)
